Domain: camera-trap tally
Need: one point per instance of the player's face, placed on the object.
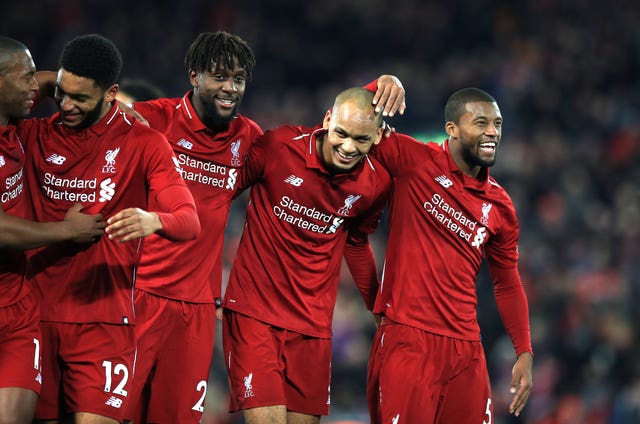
(18, 86)
(218, 92)
(351, 133)
(81, 101)
(477, 135)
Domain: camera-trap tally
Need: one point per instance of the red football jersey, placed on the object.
(286, 270)
(115, 164)
(13, 201)
(192, 270)
(442, 224)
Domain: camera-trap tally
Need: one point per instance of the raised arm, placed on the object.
(389, 95)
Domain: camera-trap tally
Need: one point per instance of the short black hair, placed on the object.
(9, 47)
(219, 48)
(92, 56)
(140, 90)
(456, 105)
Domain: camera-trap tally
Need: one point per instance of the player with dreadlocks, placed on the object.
(178, 286)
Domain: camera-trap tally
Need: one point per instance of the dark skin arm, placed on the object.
(21, 234)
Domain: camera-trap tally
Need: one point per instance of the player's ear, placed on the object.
(193, 78)
(326, 120)
(452, 129)
(110, 94)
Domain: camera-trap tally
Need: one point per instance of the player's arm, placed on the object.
(359, 258)
(514, 312)
(47, 83)
(21, 234)
(177, 219)
(389, 95)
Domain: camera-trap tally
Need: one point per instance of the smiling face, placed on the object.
(474, 139)
(81, 101)
(18, 87)
(351, 131)
(217, 93)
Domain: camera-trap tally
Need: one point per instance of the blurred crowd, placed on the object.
(565, 74)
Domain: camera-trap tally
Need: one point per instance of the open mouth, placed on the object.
(226, 103)
(346, 158)
(488, 147)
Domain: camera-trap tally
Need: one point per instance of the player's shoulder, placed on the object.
(288, 135)
(497, 192)
(247, 124)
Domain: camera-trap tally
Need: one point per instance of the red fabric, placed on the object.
(443, 224)
(513, 307)
(256, 354)
(210, 164)
(287, 267)
(13, 201)
(115, 164)
(181, 221)
(21, 344)
(359, 258)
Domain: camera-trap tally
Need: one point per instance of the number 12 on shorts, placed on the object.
(109, 372)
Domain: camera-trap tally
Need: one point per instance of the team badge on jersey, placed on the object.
(486, 208)
(110, 159)
(348, 204)
(235, 151)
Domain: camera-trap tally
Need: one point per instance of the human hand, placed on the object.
(132, 223)
(390, 96)
(521, 382)
(219, 313)
(387, 129)
(128, 110)
(83, 228)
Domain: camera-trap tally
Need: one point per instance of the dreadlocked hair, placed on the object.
(219, 48)
(92, 56)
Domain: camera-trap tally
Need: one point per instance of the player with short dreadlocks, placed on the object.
(178, 284)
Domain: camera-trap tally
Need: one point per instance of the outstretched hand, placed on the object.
(389, 98)
(521, 382)
(128, 110)
(84, 228)
(132, 223)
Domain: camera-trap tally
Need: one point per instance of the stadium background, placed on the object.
(566, 76)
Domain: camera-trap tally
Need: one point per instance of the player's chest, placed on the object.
(306, 188)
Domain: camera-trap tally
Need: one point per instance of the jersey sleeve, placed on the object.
(155, 112)
(255, 162)
(502, 257)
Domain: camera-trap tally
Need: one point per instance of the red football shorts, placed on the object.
(273, 366)
(419, 377)
(86, 368)
(175, 346)
(20, 344)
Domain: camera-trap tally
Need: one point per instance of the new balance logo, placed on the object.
(56, 159)
(114, 401)
(294, 181)
(185, 143)
(444, 181)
